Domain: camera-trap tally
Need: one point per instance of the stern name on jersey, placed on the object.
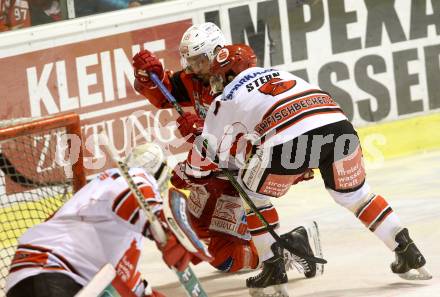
(261, 81)
(243, 80)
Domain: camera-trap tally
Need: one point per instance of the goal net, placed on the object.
(40, 168)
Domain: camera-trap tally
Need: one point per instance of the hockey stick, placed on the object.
(236, 185)
(187, 278)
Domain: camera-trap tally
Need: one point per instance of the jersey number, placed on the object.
(20, 14)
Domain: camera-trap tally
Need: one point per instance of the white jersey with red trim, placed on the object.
(276, 106)
(100, 224)
(270, 106)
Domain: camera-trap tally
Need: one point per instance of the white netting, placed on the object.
(32, 187)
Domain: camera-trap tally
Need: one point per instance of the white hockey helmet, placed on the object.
(201, 39)
(151, 157)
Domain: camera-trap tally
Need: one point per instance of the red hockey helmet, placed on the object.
(229, 62)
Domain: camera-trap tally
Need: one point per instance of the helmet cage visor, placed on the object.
(198, 63)
(217, 83)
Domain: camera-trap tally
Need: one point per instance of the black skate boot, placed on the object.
(298, 238)
(273, 275)
(409, 257)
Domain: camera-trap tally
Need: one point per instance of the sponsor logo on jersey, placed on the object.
(228, 217)
(293, 108)
(277, 185)
(275, 86)
(241, 82)
(222, 55)
(197, 200)
(226, 210)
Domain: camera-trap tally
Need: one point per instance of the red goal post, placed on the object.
(41, 166)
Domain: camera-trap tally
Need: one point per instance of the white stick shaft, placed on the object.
(155, 226)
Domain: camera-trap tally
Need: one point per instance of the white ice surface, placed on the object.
(358, 263)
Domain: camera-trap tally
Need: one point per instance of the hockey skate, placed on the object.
(409, 263)
(273, 277)
(300, 238)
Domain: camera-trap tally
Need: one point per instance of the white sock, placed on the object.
(263, 243)
(388, 229)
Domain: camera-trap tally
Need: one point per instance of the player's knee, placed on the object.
(224, 266)
(237, 256)
(351, 200)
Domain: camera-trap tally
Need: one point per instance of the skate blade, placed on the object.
(277, 291)
(421, 274)
(313, 234)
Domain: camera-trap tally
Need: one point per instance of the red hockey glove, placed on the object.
(212, 185)
(179, 179)
(190, 124)
(145, 62)
(174, 254)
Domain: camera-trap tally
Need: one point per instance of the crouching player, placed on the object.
(215, 207)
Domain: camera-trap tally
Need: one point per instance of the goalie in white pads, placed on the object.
(286, 126)
(102, 223)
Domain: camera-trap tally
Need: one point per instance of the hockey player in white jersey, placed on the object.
(214, 206)
(102, 223)
(275, 127)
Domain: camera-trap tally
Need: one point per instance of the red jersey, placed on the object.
(14, 14)
(188, 90)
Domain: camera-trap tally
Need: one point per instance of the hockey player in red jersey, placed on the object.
(14, 14)
(290, 127)
(215, 207)
(102, 223)
(190, 86)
